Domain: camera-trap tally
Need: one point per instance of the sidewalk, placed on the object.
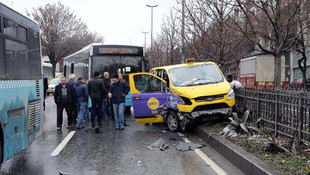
(246, 162)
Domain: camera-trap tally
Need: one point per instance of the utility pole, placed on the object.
(152, 6)
(183, 34)
(145, 38)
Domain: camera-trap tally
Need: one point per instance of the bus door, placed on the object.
(148, 95)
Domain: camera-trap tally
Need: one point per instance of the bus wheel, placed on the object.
(173, 121)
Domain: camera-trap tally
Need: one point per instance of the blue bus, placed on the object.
(120, 59)
(21, 82)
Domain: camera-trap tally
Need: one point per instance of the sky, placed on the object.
(118, 21)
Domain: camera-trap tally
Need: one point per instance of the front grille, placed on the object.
(210, 107)
(209, 98)
(37, 88)
(34, 112)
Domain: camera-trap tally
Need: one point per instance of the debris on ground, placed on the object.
(177, 138)
(188, 146)
(62, 173)
(139, 163)
(158, 144)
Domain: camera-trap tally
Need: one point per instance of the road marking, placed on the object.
(63, 144)
(204, 157)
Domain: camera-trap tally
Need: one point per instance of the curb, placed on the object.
(246, 162)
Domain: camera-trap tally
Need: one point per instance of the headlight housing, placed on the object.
(230, 94)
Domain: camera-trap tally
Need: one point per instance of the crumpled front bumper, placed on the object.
(224, 111)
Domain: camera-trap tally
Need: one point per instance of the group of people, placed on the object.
(103, 92)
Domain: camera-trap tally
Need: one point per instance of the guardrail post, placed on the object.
(300, 117)
(258, 105)
(276, 115)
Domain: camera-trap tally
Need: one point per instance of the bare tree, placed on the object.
(62, 31)
(271, 25)
(302, 40)
(209, 22)
(165, 49)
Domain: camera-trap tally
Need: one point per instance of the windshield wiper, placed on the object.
(194, 81)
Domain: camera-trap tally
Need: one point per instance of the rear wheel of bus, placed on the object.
(173, 122)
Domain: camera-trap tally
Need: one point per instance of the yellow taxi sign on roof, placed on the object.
(190, 61)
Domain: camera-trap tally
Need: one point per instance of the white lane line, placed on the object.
(204, 157)
(63, 144)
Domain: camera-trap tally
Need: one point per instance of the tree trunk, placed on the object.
(302, 64)
(54, 70)
(277, 71)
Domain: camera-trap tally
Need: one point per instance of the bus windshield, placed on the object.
(195, 75)
(117, 64)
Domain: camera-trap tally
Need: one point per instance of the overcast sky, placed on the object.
(119, 21)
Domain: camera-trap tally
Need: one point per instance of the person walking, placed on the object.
(72, 82)
(106, 103)
(117, 93)
(121, 79)
(64, 99)
(81, 97)
(97, 91)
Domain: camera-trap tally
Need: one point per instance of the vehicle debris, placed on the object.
(183, 146)
(158, 144)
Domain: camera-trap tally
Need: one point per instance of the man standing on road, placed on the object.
(106, 103)
(81, 96)
(64, 99)
(97, 92)
(117, 93)
(71, 82)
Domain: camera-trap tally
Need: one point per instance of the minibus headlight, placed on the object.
(230, 94)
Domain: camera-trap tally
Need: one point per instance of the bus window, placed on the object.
(10, 28)
(34, 54)
(2, 66)
(16, 60)
(22, 34)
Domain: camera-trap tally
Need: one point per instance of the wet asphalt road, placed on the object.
(110, 151)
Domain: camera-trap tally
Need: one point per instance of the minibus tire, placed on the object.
(173, 122)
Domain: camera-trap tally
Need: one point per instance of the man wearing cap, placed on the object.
(72, 83)
(117, 93)
(97, 91)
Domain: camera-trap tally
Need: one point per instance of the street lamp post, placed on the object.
(183, 34)
(145, 38)
(152, 6)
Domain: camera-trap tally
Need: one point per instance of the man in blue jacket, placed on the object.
(81, 97)
(117, 93)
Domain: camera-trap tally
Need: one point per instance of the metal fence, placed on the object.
(284, 112)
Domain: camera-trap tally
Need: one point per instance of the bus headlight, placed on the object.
(230, 94)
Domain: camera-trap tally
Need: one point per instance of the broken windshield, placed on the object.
(195, 75)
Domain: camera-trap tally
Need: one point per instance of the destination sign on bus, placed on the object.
(121, 51)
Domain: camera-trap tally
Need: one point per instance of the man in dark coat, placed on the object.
(117, 93)
(72, 82)
(97, 91)
(106, 103)
(64, 99)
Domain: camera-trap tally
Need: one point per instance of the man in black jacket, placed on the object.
(117, 93)
(74, 110)
(97, 91)
(64, 98)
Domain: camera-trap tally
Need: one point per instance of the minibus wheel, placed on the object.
(173, 122)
